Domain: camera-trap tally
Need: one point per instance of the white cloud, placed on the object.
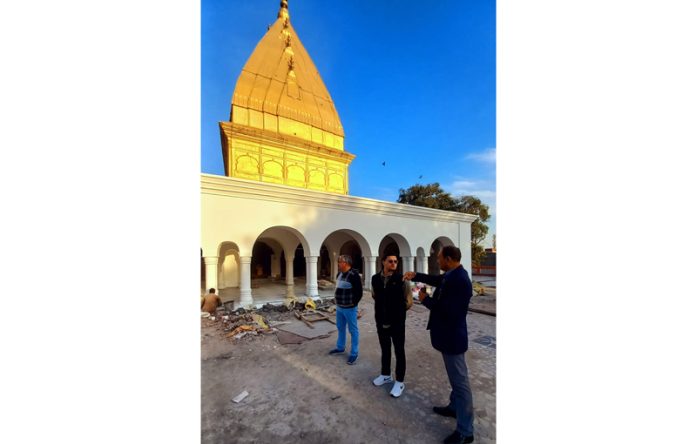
(471, 188)
(461, 184)
(487, 155)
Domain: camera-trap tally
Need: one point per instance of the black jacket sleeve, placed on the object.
(430, 279)
(357, 287)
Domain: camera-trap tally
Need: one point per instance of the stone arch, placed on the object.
(435, 246)
(261, 254)
(273, 171)
(274, 270)
(397, 245)
(287, 237)
(247, 165)
(421, 260)
(346, 241)
(228, 265)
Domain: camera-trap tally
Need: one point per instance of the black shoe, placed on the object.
(445, 411)
(336, 351)
(458, 438)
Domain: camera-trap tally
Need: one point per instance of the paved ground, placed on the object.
(297, 393)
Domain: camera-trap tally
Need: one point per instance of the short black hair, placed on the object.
(212, 290)
(452, 252)
(386, 255)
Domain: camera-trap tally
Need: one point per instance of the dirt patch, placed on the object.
(298, 393)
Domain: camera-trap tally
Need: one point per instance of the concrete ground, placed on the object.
(298, 393)
(266, 290)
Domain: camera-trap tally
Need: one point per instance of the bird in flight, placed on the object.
(384, 163)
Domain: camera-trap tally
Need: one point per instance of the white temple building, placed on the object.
(276, 224)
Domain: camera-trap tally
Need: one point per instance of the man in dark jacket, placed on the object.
(389, 292)
(348, 294)
(447, 324)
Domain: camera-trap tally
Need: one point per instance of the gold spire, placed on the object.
(284, 127)
(280, 79)
(283, 13)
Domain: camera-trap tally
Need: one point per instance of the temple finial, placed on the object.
(284, 13)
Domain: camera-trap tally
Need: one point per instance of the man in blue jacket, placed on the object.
(448, 334)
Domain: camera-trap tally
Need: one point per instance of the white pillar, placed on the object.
(275, 265)
(289, 276)
(245, 299)
(407, 262)
(370, 270)
(421, 264)
(211, 272)
(465, 246)
(312, 288)
(334, 266)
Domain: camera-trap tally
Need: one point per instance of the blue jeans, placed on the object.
(461, 400)
(347, 316)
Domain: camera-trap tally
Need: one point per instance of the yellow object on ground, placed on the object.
(310, 305)
(259, 320)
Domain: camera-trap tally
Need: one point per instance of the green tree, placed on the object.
(430, 196)
(479, 229)
(433, 196)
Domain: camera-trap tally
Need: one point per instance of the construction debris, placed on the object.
(270, 318)
(309, 304)
(259, 321)
(290, 302)
(240, 396)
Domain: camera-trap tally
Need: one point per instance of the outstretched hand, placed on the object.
(409, 275)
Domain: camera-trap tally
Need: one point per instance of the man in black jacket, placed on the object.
(348, 294)
(448, 334)
(389, 292)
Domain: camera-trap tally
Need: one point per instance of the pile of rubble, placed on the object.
(241, 323)
(237, 325)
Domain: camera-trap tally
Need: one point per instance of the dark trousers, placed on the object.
(397, 335)
(461, 400)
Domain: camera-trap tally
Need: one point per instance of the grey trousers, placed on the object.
(461, 400)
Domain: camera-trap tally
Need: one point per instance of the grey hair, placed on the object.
(346, 258)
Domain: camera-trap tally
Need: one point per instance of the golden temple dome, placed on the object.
(283, 125)
(281, 89)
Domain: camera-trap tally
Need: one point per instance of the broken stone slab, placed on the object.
(285, 338)
(321, 328)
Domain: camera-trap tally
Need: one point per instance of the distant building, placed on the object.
(487, 267)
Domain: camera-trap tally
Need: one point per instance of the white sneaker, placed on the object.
(381, 380)
(398, 389)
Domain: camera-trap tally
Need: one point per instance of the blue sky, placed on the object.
(414, 86)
